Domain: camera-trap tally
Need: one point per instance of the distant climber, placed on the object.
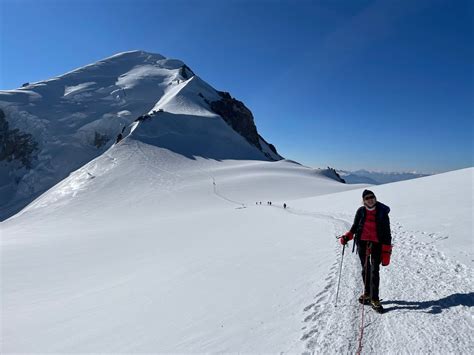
(284, 205)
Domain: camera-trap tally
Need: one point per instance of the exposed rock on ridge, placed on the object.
(238, 116)
(15, 145)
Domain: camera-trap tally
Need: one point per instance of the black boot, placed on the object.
(377, 306)
(364, 299)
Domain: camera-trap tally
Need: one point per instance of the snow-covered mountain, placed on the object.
(166, 241)
(50, 128)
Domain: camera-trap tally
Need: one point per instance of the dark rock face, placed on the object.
(100, 140)
(339, 177)
(143, 118)
(238, 116)
(15, 145)
(186, 72)
(271, 146)
(332, 173)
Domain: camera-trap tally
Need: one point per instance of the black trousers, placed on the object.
(374, 258)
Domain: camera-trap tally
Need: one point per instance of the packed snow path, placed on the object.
(426, 293)
(428, 301)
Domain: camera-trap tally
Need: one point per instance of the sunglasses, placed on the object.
(368, 198)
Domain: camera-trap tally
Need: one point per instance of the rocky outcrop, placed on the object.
(16, 145)
(238, 116)
(333, 174)
(271, 146)
(100, 140)
(186, 72)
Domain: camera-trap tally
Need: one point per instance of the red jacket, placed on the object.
(369, 229)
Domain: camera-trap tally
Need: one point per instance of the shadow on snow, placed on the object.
(434, 306)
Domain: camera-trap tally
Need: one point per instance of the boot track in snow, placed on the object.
(425, 294)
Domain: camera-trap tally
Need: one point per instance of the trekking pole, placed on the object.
(340, 270)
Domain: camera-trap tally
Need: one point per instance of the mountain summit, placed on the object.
(50, 128)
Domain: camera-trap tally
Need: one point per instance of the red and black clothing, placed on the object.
(370, 230)
(382, 222)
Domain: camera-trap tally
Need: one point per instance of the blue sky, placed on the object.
(380, 85)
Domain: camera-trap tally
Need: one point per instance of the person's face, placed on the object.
(370, 201)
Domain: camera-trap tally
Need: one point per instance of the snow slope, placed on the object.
(427, 289)
(77, 116)
(151, 248)
(437, 208)
(145, 249)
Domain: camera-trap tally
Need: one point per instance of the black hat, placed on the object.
(367, 192)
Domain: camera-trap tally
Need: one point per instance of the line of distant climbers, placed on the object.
(269, 203)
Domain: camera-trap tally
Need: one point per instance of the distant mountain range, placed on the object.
(376, 178)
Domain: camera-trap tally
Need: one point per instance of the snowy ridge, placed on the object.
(75, 117)
(184, 98)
